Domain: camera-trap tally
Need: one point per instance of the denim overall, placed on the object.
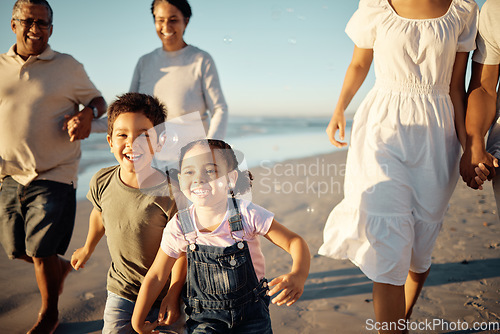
(222, 293)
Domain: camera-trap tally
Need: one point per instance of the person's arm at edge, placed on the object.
(481, 111)
(218, 124)
(151, 287)
(134, 84)
(95, 234)
(291, 284)
(214, 98)
(355, 76)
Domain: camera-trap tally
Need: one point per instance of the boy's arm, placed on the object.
(169, 310)
(96, 231)
(151, 287)
(291, 284)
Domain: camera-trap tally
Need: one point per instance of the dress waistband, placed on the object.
(412, 87)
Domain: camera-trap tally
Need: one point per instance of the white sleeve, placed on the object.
(469, 18)
(134, 85)
(214, 99)
(488, 38)
(258, 218)
(100, 125)
(362, 27)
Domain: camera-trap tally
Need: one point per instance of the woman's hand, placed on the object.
(337, 122)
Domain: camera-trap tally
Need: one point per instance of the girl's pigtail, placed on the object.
(244, 182)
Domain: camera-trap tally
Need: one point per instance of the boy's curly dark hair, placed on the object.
(244, 181)
(148, 105)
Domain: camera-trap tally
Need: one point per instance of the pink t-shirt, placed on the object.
(256, 221)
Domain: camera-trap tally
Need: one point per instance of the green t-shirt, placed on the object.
(134, 220)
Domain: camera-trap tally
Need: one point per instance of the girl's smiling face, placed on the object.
(204, 176)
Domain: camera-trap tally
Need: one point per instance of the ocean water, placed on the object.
(262, 140)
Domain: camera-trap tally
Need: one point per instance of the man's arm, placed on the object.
(481, 110)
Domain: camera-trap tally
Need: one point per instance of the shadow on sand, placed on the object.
(351, 281)
(94, 326)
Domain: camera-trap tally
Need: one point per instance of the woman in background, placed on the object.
(181, 75)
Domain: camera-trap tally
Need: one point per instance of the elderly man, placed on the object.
(41, 91)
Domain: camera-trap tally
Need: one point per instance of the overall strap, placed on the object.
(187, 225)
(235, 218)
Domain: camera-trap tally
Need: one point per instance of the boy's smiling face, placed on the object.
(133, 142)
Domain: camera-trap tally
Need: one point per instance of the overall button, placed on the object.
(232, 262)
(264, 284)
(240, 245)
(192, 247)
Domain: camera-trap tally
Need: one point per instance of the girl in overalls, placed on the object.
(226, 291)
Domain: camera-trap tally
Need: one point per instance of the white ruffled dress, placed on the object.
(402, 164)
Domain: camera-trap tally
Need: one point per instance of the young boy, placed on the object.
(132, 204)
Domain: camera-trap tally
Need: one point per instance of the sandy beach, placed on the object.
(463, 288)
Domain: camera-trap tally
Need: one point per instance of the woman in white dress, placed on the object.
(402, 164)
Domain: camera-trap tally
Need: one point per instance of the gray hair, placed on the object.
(16, 11)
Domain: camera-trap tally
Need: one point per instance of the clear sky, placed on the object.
(281, 57)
